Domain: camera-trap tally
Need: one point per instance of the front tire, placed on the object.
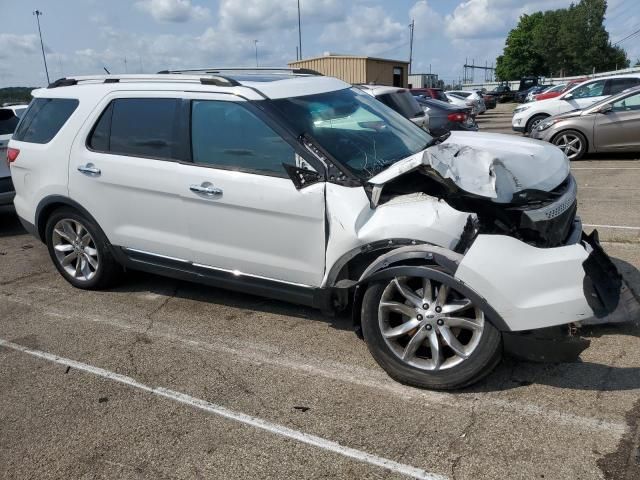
(445, 346)
(534, 122)
(572, 143)
(80, 251)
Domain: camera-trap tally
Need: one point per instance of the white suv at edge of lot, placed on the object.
(300, 187)
(526, 117)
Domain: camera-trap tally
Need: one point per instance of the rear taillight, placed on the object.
(456, 117)
(12, 154)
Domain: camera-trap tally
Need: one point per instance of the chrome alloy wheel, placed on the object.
(427, 324)
(570, 144)
(75, 249)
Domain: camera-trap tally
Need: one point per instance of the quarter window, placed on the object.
(44, 118)
(229, 136)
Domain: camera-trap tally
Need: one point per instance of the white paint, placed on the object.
(200, 404)
(623, 227)
(258, 353)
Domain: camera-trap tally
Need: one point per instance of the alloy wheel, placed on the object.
(75, 249)
(428, 324)
(570, 144)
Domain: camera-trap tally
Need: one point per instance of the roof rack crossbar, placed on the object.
(257, 70)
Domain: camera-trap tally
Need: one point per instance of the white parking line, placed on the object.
(623, 227)
(257, 353)
(605, 168)
(231, 415)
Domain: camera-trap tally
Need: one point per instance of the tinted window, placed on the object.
(143, 127)
(594, 89)
(617, 85)
(99, 138)
(44, 118)
(227, 135)
(8, 121)
(403, 103)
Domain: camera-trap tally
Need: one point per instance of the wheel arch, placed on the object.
(539, 114)
(53, 202)
(586, 137)
(418, 260)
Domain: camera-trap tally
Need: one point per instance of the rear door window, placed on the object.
(44, 118)
(617, 85)
(140, 127)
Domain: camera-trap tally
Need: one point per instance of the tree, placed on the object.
(562, 42)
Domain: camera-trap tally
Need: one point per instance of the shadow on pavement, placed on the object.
(9, 223)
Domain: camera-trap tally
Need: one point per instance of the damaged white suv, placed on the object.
(299, 187)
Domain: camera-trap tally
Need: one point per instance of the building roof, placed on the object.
(359, 57)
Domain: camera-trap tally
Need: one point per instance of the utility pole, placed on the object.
(299, 32)
(411, 26)
(256, 43)
(297, 54)
(37, 13)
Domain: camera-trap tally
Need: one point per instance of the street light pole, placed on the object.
(256, 43)
(299, 33)
(37, 13)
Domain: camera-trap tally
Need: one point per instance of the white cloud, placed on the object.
(173, 10)
(368, 30)
(12, 44)
(427, 20)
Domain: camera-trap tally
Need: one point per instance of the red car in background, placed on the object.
(557, 92)
(435, 93)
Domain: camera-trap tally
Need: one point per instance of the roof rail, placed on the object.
(209, 79)
(247, 70)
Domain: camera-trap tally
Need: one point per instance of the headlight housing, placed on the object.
(521, 109)
(546, 124)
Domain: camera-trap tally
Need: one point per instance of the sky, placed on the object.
(83, 36)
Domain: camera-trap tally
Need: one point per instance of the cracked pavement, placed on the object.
(292, 366)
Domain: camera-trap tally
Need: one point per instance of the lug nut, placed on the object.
(419, 317)
(438, 309)
(440, 322)
(425, 306)
(428, 327)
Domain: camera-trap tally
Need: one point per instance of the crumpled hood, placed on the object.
(491, 165)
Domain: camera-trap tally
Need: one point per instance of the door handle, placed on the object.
(89, 169)
(206, 189)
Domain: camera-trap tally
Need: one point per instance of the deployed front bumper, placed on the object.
(533, 288)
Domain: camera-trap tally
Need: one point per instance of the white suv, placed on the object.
(528, 116)
(9, 117)
(300, 187)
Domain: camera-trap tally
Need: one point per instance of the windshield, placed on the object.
(360, 132)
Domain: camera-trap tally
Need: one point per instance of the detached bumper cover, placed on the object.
(533, 288)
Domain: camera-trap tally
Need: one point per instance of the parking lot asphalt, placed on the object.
(159, 378)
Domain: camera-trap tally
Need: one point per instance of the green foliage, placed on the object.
(15, 94)
(563, 42)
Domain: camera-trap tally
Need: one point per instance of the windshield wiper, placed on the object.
(437, 140)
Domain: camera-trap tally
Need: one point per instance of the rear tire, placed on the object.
(392, 326)
(80, 251)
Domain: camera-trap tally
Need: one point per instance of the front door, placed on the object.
(618, 128)
(244, 213)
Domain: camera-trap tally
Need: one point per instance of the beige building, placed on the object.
(358, 69)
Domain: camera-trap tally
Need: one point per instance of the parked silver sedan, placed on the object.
(611, 125)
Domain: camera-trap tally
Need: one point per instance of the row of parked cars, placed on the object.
(596, 115)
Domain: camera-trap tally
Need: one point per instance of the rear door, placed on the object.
(619, 128)
(244, 213)
(124, 169)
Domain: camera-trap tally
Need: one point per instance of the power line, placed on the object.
(633, 34)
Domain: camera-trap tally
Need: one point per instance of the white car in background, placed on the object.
(9, 117)
(467, 98)
(528, 116)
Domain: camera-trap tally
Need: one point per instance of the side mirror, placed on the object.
(568, 96)
(606, 108)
